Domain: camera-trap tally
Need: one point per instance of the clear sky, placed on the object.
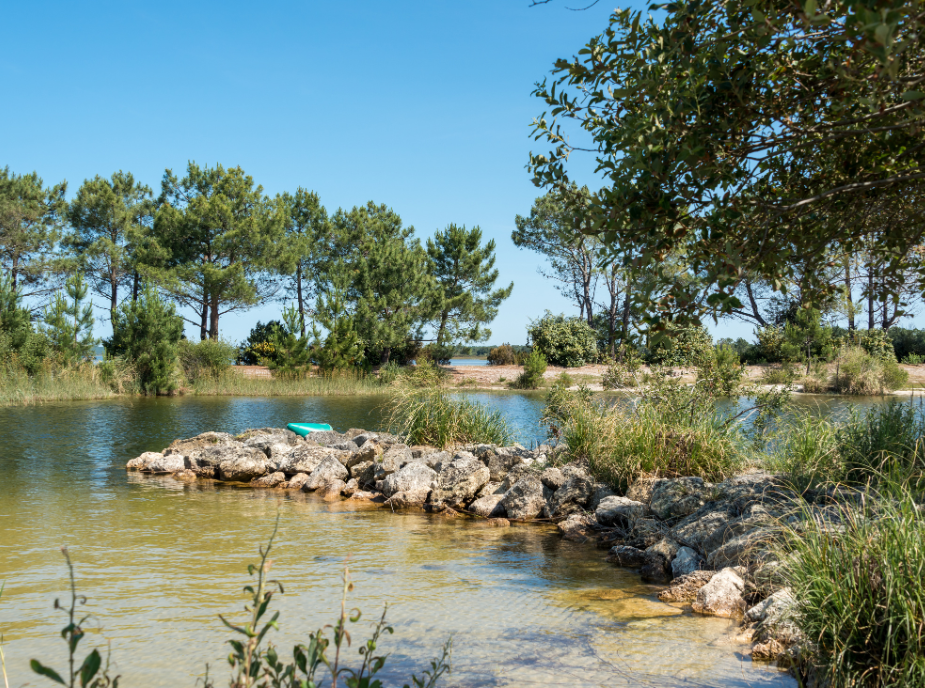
(424, 106)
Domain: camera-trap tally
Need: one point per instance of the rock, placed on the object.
(515, 474)
(526, 498)
(328, 471)
(269, 480)
(630, 557)
(679, 497)
(774, 620)
(345, 446)
(205, 462)
(394, 458)
(301, 459)
(351, 487)
(297, 481)
(768, 650)
(411, 483)
(599, 492)
(369, 451)
(327, 438)
(552, 478)
(199, 442)
(748, 547)
(420, 450)
(701, 528)
(459, 480)
(577, 527)
(139, 462)
(500, 464)
(354, 432)
(572, 496)
(620, 511)
(364, 472)
(434, 460)
(246, 464)
(722, 596)
(488, 506)
(281, 434)
(641, 489)
(272, 447)
(185, 475)
(362, 438)
(645, 533)
(656, 567)
(498, 522)
(490, 488)
(164, 464)
(685, 561)
(755, 516)
(331, 492)
(685, 588)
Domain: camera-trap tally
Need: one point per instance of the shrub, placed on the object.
(907, 342)
(749, 353)
(819, 380)
(209, 358)
(783, 374)
(623, 372)
(292, 357)
(680, 346)
(147, 332)
(532, 375)
(862, 373)
(258, 348)
(564, 379)
(568, 342)
(69, 321)
(860, 593)
(719, 369)
(805, 449)
(914, 359)
(502, 355)
(435, 418)
(885, 441)
(438, 353)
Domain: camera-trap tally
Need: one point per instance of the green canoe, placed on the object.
(305, 428)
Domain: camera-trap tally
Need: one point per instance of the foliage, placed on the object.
(434, 417)
(147, 332)
(20, 344)
(804, 448)
(465, 276)
(209, 358)
(680, 346)
(806, 338)
(720, 370)
(425, 373)
(568, 342)
(503, 355)
(532, 375)
(886, 441)
(907, 342)
(876, 342)
(862, 373)
(623, 371)
(826, 110)
(257, 349)
(438, 353)
(69, 322)
(292, 354)
(783, 374)
(860, 591)
(749, 353)
(914, 359)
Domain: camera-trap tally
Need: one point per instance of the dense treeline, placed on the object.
(364, 290)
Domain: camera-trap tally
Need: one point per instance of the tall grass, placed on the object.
(804, 448)
(54, 382)
(435, 418)
(883, 441)
(860, 593)
(231, 383)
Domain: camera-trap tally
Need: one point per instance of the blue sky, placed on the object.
(424, 106)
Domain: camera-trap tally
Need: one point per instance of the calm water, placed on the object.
(160, 560)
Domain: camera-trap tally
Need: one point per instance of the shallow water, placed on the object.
(160, 559)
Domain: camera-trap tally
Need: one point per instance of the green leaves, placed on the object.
(43, 670)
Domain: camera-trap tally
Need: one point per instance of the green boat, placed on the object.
(306, 428)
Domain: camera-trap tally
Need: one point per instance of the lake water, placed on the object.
(160, 559)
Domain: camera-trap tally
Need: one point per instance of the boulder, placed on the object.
(515, 474)
(685, 561)
(351, 487)
(620, 511)
(500, 463)
(297, 481)
(490, 488)
(328, 471)
(641, 489)
(269, 480)
(283, 434)
(420, 450)
(526, 498)
(656, 567)
(459, 480)
(164, 464)
(599, 492)
(722, 596)
(139, 462)
(746, 548)
(572, 496)
(199, 442)
(498, 522)
(623, 555)
(434, 459)
(185, 475)
(391, 460)
(362, 437)
(685, 588)
(369, 451)
(577, 527)
(645, 533)
(412, 484)
(552, 478)
(773, 617)
(678, 497)
(364, 472)
(246, 464)
(488, 506)
(327, 438)
(272, 447)
(346, 446)
(301, 459)
(702, 528)
(331, 492)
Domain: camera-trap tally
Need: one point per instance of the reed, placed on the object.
(61, 383)
(231, 383)
(435, 418)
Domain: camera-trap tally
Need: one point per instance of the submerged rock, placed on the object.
(686, 561)
(629, 557)
(722, 596)
(269, 480)
(656, 567)
(488, 506)
(578, 527)
(245, 465)
(301, 459)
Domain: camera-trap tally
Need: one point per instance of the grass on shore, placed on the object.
(230, 383)
(434, 418)
(65, 383)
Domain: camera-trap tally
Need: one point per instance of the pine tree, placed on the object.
(465, 274)
(69, 323)
(147, 332)
(342, 347)
(292, 352)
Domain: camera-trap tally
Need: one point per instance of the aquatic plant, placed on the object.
(434, 417)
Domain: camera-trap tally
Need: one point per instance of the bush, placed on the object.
(680, 346)
(783, 374)
(503, 355)
(719, 369)
(438, 353)
(433, 417)
(862, 373)
(860, 593)
(568, 342)
(209, 358)
(805, 449)
(907, 342)
(147, 332)
(258, 348)
(532, 375)
(914, 359)
(623, 372)
(749, 353)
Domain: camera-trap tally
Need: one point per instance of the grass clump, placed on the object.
(435, 418)
(532, 375)
(885, 441)
(864, 374)
(859, 589)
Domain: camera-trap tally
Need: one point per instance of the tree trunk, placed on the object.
(213, 318)
(625, 322)
(135, 286)
(113, 303)
(870, 298)
(386, 352)
(848, 296)
(441, 331)
(298, 289)
(754, 303)
(204, 325)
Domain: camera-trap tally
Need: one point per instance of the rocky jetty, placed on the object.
(706, 542)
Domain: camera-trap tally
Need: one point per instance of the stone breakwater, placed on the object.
(708, 543)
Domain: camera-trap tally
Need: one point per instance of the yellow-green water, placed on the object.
(160, 559)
